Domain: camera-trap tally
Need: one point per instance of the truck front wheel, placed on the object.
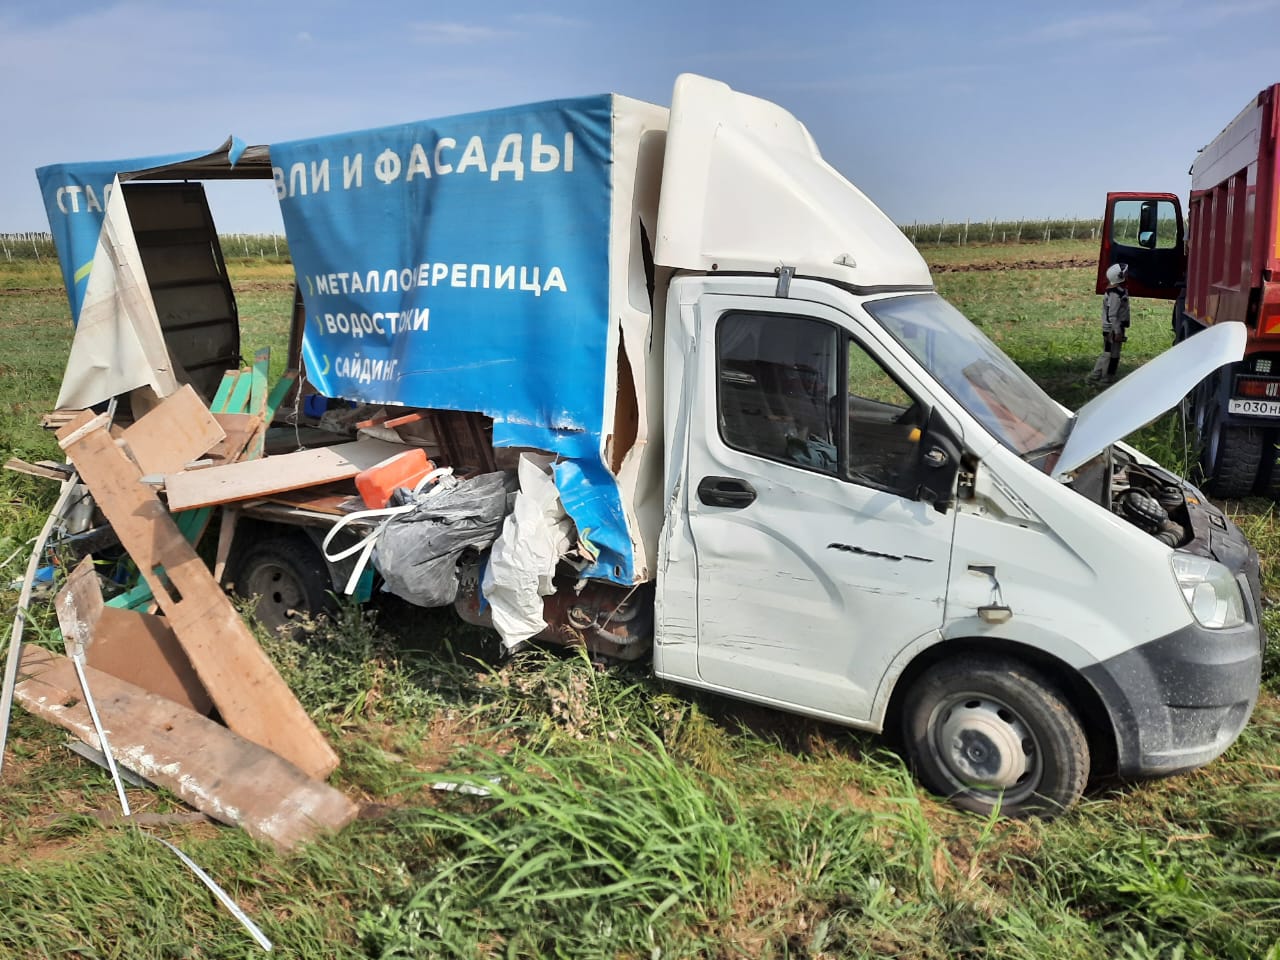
(990, 731)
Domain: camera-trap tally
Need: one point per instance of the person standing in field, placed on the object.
(1115, 324)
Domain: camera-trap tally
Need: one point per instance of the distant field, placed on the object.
(631, 819)
(19, 247)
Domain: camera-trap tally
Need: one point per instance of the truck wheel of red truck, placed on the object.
(990, 731)
(1231, 458)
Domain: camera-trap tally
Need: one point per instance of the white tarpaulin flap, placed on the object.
(523, 559)
(118, 343)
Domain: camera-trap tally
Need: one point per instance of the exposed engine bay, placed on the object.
(1151, 499)
(1160, 503)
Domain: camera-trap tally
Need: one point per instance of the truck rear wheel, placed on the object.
(990, 731)
(1271, 468)
(289, 578)
(1231, 458)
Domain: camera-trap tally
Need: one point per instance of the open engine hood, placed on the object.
(1148, 392)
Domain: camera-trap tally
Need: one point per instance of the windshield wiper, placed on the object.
(1053, 444)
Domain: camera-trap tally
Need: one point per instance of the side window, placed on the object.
(779, 388)
(883, 427)
(1151, 224)
(781, 396)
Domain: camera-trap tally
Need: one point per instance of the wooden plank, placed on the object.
(279, 392)
(139, 648)
(407, 419)
(135, 647)
(226, 532)
(290, 471)
(258, 383)
(177, 431)
(220, 398)
(219, 773)
(43, 470)
(336, 499)
(78, 606)
(248, 692)
(58, 418)
(257, 445)
(238, 402)
(240, 429)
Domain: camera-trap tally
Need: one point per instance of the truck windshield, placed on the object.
(975, 371)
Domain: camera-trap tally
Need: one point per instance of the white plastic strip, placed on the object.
(222, 895)
(78, 659)
(365, 545)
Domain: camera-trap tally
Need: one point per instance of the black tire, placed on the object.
(1232, 456)
(289, 578)
(1271, 468)
(989, 730)
(1229, 457)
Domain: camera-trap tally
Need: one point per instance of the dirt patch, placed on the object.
(242, 285)
(996, 266)
(447, 734)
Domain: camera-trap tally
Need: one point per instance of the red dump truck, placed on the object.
(1222, 263)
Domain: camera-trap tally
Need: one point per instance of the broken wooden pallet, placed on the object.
(250, 479)
(176, 431)
(219, 773)
(246, 688)
(244, 437)
(138, 648)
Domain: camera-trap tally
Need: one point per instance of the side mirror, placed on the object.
(937, 464)
(1148, 224)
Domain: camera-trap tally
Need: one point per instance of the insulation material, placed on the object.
(524, 557)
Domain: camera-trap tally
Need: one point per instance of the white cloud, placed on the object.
(1217, 12)
(550, 20)
(452, 32)
(1111, 24)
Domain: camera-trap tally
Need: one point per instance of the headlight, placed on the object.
(1212, 594)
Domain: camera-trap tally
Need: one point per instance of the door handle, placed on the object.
(726, 492)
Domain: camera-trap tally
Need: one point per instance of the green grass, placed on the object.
(624, 817)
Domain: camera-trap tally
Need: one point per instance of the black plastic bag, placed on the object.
(417, 552)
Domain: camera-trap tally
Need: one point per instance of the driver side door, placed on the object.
(817, 560)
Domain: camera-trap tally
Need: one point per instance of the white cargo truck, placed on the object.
(790, 469)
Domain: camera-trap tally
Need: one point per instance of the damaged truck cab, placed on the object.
(785, 464)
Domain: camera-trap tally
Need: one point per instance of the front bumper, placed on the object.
(1179, 701)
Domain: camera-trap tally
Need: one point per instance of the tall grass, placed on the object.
(584, 854)
(18, 247)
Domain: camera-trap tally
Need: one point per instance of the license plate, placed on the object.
(1255, 408)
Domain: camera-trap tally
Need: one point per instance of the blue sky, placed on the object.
(938, 111)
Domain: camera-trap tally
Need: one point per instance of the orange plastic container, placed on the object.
(402, 470)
